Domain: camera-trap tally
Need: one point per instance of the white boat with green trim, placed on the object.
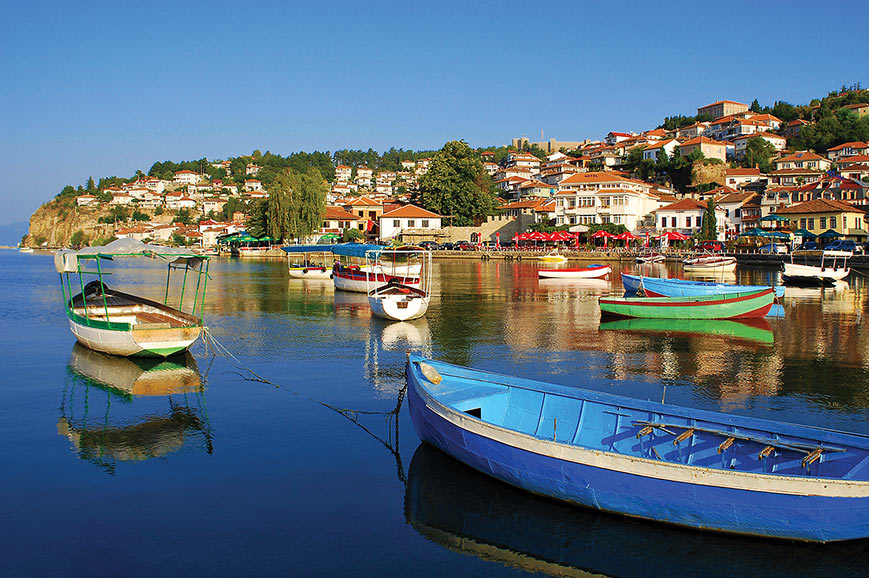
(119, 323)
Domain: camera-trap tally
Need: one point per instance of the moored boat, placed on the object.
(120, 323)
(368, 270)
(709, 263)
(746, 305)
(661, 287)
(309, 261)
(397, 300)
(650, 258)
(833, 267)
(644, 459)
(591, 272)
(553, 257)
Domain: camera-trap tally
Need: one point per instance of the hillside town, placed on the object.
(572, 184)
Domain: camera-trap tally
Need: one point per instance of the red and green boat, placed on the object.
(743, 305)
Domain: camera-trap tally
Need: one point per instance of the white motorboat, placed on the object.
(590, 272)
(309, 261)
(396, 300)
(833, 267)
(704, 263)
(553, 257)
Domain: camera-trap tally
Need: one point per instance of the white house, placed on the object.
(343, 173)
(251, 185)
(408, 217)
(186, 178)
(686, 216)
(85, 200)
(667, 146)
(121, 199)
(741, 142)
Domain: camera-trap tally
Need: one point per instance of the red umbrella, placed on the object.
(539, 236)
(560, 236)
(602, 233)
(673, 236)
(627, 236)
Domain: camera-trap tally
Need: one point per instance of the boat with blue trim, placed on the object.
(671, 464)
(662, 287)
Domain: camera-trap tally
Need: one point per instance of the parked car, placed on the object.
(429, 245)
(808, 246)
(774, 249)
(448, 246)
(489, 245)
(465, 246)
(842, 245)
(712, 246)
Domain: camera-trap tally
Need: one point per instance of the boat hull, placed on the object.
(398, 307)
(357, 282)
(748, 305)
(310, 272)
(138, 342)
(583, 273)
(660, 287)
(710, 266)
(810, 275)
(632, 486)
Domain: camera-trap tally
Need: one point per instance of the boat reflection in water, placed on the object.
(463, 510)
(385, 348)
(751, 330)
(119, 409)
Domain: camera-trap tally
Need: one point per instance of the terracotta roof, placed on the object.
(339, 214)
(364, 202)
(722, 102)
(855, 144)
(529, 204)
(761, 134)
(736, 198)
(683, 205)
(742, 172)
(855, 159)
(800, 156)
(702, 140)
(820, 206)
(413, 211)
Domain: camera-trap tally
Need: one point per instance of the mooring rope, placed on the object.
(217, 349)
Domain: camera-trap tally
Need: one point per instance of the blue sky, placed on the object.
(105, 88)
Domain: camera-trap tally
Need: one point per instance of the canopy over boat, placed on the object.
(358, 250)
(307, 249)
(66, 261)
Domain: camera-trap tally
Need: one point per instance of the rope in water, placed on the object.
(217, 349)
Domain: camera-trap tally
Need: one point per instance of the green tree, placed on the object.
(709, 225)
(139, 216)
(91, 186)
(182, 216)
(78, 239)
(158, 210)
(759, 153)
(256, 222)
(755, 106)
(231, 206)
(296, 204)
(351, 235)
(456, 185)
(177, 240)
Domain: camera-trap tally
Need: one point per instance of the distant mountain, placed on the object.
(11, 234)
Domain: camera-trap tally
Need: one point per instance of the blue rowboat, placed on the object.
(649, 460)
(463, 510)
(660, 287)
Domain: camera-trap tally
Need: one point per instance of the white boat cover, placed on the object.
(66, 261)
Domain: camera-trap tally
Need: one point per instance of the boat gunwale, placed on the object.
(690, 301)
(815, 433)
(192, 320)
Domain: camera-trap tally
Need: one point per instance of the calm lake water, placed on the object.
(188, 468)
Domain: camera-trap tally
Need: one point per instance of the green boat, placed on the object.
(754, 330)
(745, 305)
(119, 323)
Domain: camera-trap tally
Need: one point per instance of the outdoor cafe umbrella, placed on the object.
(627, 236)
(830, 234)
(539, 236)
(776, 235)
(772, 217)
(673, 236)
(560, 236)
(601, 234)
(805, 233)
(756, 232)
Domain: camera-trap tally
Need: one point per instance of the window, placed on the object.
(832, 222)
(687, 221)
(674, 222)
(411, 223)
(811, 224)
(802, 223)
(424, 224)
(823, 222)
(396, 223)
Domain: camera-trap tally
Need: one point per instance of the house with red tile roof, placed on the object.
(338, 220)
(408, 220)
(819, 215)
(686, 216)
(736, 178)
(86, 200)
(740, 143)
(186, 178)
(711, 149)
(847, 149)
